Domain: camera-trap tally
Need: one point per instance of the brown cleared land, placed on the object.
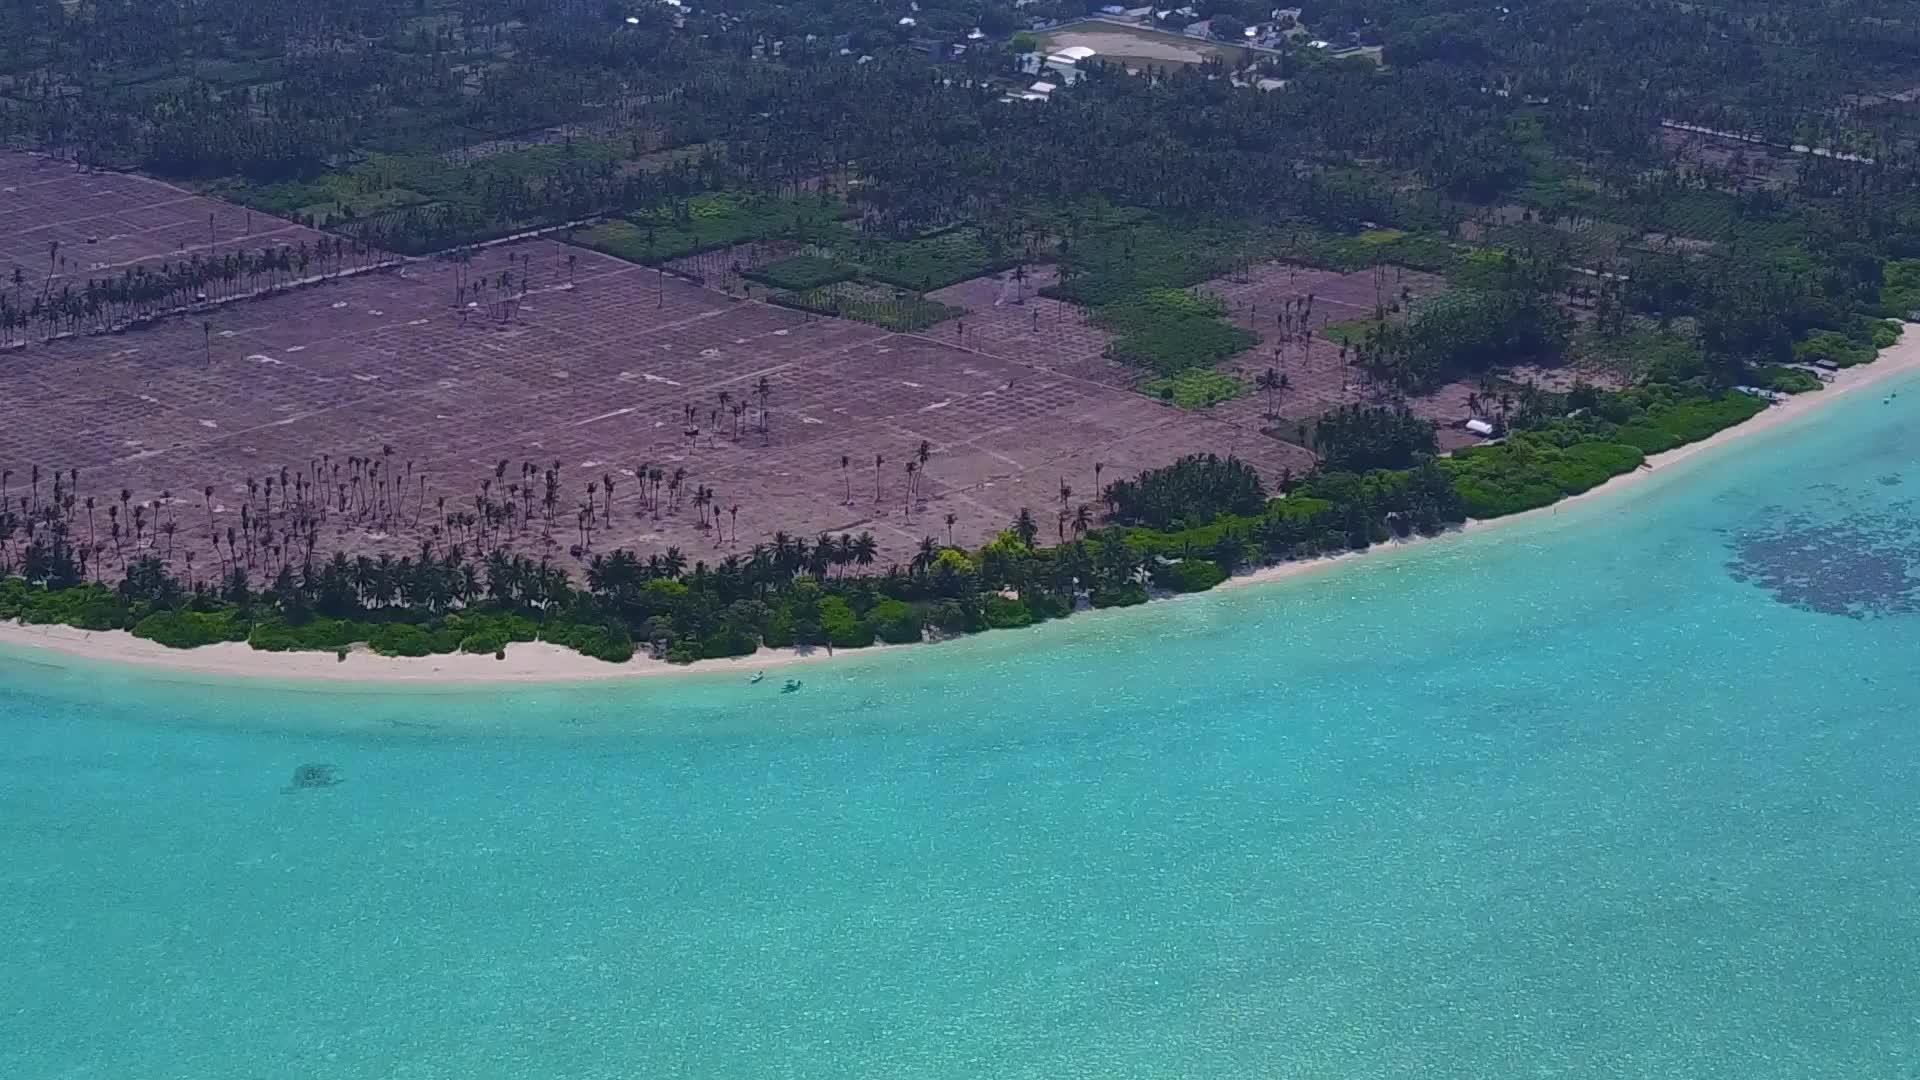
(1060, 340)
(106, 222)
(1010, 320)
(592, 374)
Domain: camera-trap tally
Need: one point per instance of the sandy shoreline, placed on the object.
(539, 662)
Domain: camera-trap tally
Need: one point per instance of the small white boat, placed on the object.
(757, 676)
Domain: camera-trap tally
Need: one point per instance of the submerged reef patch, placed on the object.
(1860, 565)
(313, 775)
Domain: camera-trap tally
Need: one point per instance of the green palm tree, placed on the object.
(1025, 527)
(1268, 382)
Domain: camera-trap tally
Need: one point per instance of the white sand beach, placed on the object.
(538, 662)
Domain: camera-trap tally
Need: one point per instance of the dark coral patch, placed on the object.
(313, 776)
(1861, 566)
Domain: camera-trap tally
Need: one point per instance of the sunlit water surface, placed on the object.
(1626, 792)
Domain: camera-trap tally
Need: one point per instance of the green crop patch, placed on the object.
(708, 222)
(1168, 331)
(801, 272)
(927, 263)
(895, 310)
(1195, 388)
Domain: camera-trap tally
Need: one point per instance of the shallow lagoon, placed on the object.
(1633, 790)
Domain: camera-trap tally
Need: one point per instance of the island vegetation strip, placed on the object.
(89, 620)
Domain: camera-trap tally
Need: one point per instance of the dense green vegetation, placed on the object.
(711, 222)
(801, 272)
(1356, 437)
(1531, 470)
(1113, 256)
(1785, 380)
(1168, 331)
(1466, 331)
(1834, 347)
(892, 308)
(1900, 289)
(925, 263)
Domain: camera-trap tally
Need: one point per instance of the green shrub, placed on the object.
(1785, 380)
(896, 622)
(275, 635)
(1900, 288)
(1191, 575)
(191, 629)
(484, 641)
(1045, 605)
(1006, 613)
(507, 627)
(843, 628)
(1125, 595)
(957, 616)
(1833, 347)
(729, 641)
(401, 639)
(610, 643)
(98, 615)
(90, 606)
(779, 633)
(1667, 424)
(1528, 471)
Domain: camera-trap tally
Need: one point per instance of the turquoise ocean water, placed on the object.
(1630, 791)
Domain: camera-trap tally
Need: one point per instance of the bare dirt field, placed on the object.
(1055, 335)
(1009, 318)
(1318, 380)
(592, 370)
(1760, 167)
(1138, 46)
(1014, 322)
(106, 222)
